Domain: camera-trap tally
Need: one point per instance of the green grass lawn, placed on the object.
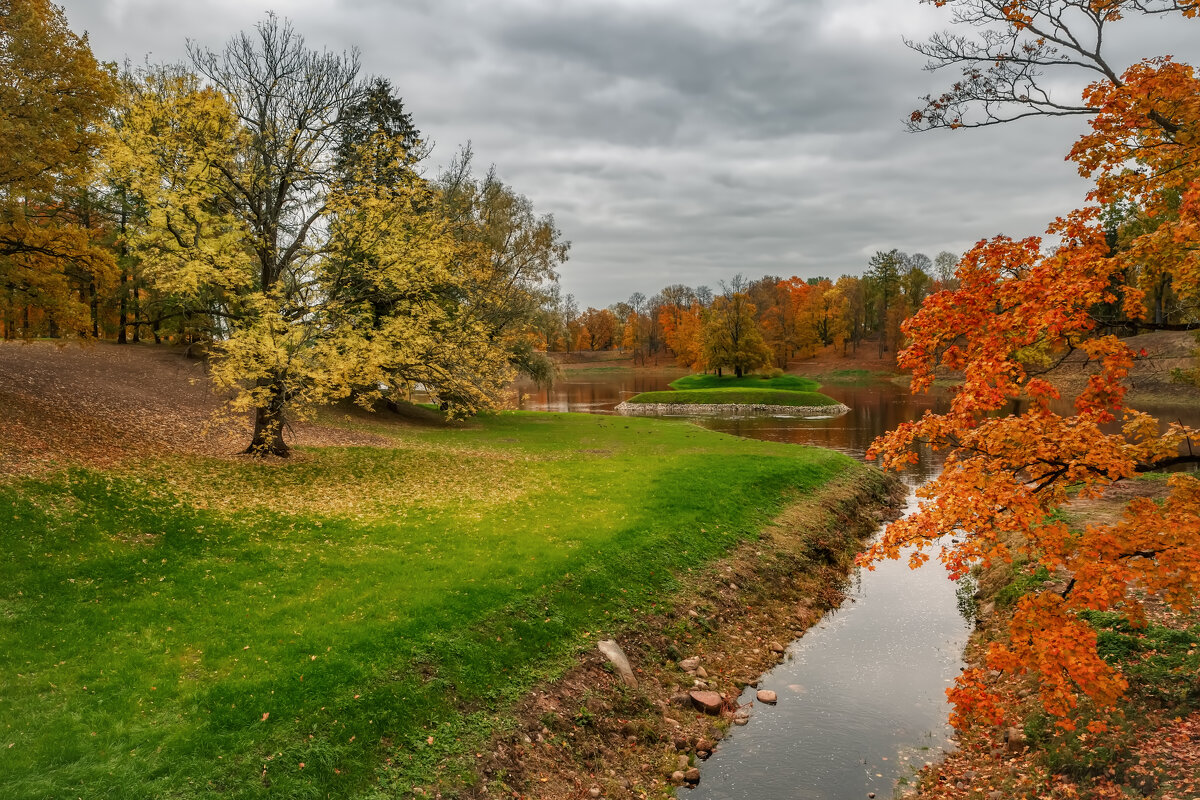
(795, 383)
(784, 390)
(353, 618)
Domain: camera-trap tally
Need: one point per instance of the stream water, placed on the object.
(862, 695)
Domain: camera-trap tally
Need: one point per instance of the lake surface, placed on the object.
(862, 695)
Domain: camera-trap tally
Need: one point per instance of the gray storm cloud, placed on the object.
(683, 142)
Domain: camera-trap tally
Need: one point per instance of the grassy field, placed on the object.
(784, 390)
(355, 619)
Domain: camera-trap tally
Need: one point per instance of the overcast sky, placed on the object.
(683, 141)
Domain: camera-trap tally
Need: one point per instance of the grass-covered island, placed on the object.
(358, 621)
(763, 394)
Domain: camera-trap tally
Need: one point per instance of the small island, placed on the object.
(707, 394)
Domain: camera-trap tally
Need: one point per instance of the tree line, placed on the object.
(754, 323)
(268, 202)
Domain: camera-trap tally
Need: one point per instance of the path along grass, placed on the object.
(357, 617)
(783, 390)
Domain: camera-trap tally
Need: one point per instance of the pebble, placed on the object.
(594, 791)
(767, 696)
(701, 672)
(871, 795)
(692, 775)
(741, 719)
(689, 664)
(682, 762)
(677, 777)
(776, 647)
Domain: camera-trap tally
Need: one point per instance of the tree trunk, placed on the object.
(94, 307)
(137, 315)
(268, 424)
(122, 315)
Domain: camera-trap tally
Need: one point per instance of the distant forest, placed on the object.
(752, 323)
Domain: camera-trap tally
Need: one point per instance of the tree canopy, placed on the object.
(55, 96)
(1022, 308)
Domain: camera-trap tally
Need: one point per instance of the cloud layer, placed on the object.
(683, 142)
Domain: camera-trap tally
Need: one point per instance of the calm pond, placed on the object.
(862, 695)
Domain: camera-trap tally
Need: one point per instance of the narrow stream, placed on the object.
(862, 699)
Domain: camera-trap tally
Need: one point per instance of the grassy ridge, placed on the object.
(314, 628)
(765, 397)
(795, 383)
(783, 390)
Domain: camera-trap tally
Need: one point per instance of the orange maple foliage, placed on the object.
(1011, 458)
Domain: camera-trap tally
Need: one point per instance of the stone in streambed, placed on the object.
(777, 648)
(767, 696)
(677, 777)
(692, 775)
(613, 652)
(707, 701)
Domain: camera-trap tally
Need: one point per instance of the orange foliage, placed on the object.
(681, 329)
(1010, 457)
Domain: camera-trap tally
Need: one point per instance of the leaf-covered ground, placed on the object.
(102, 404)
(181, 622)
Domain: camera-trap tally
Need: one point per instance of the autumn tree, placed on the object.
(598, 329)
(683, 333)
(1020, 308)
(510, 256)
(283, 206)
(882, 284)
(54, 95)
(731, 337)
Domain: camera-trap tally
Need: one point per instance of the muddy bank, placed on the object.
(588, 734)
(715, 409)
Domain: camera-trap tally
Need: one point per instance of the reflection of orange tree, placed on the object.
(1017, 312)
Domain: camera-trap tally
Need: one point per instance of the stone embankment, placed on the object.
(722, 409)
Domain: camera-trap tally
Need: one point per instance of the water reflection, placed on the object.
(861, 699)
